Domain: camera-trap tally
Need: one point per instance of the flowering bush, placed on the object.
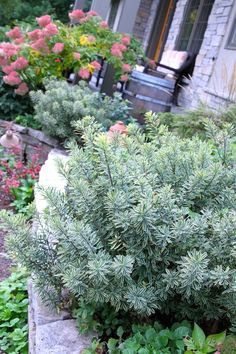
(54, 49)
(17, 180)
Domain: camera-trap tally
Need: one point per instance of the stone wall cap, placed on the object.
(38, 134)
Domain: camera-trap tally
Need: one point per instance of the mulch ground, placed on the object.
(5, 263)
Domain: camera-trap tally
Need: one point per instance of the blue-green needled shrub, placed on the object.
(146, 223)
(62, 104)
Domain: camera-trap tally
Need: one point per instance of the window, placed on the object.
(113, 12)
(231, 44)
(194, 25)
(87, 5)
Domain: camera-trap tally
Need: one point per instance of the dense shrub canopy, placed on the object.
(62, 104)
(146, 223)
(12, 10)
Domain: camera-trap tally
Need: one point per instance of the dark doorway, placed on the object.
(160, 28)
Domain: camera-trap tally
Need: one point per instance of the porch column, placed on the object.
(128, 16)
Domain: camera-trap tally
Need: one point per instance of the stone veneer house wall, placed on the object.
(205, 27)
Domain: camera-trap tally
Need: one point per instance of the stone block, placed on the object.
(227, 11)
(60, 337)
(216, 40)
(221, 19)
(42, 314)
(225, 3)
(212, 53)
(211, 27)
(219, 10)
(206, 70)
(42, 137)
(220, 29)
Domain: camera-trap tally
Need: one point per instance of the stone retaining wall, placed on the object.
(32, 140)
(51, 332)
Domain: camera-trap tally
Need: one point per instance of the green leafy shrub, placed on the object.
(192, 122)
(146, 226)
(62, 104)
(28, 120)
(199, 343)
(13, 313)
(103, 319)
(154, 339)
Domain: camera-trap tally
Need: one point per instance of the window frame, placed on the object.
(195, 25)
(117, 16)
(230, 45)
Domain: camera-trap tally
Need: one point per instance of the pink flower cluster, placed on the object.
(76, 15)
(20, 63)
(118, 48)
(103, 24)
(96, 65)
(81, 16)
(84, 73)
(91, 39)
(15, 33)
(22, 89)
(41, 46)
(39, 36)
(9, 49)
(76, 56)
(12, 79)
(126, 68)
(58, 48)
(124, 78)
(43, 21)
(126, 40)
